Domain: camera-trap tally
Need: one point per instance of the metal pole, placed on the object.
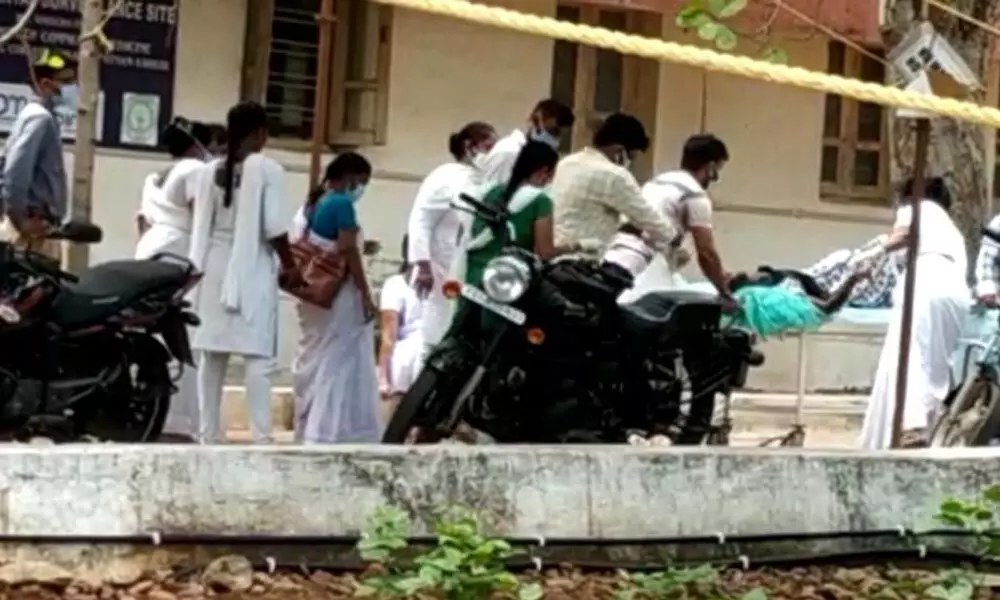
(912, 246)
(321, 107)
(77, 256)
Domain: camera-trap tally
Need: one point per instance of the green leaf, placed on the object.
(992, 493)
(754, 594)
(776, 55)
(951, 519)
(725, 39)
(708, 31)
(729, 8)
(692, 19)
(530, 591)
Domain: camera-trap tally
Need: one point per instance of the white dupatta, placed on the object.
(240, 287)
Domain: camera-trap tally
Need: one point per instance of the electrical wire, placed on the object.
(830, 32)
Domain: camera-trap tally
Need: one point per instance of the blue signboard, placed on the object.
(137, 77)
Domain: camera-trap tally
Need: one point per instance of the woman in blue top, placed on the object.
(334, 376)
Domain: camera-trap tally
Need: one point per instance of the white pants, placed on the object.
(212, 368)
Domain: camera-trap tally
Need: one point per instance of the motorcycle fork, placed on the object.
(477, 376)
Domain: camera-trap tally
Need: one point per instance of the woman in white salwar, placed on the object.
(940, 305)
(402, 342)
(436, 228)
(333, 374)
(236, 233)
(165, 225)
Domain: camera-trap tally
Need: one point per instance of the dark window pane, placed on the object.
(829, 166)
(831, 116)
(836, 54)
(869, 122)
(867, 164)
(292, 68)
(608, 82)
(871, 70)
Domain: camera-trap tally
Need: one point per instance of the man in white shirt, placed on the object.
(988, 265)
(547, 123)
(682, 197)
(593, 189)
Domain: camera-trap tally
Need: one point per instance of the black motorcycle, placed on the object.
(542, 353)
(81, 356)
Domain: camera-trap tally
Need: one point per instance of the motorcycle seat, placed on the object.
(105, 289)
(658, 312)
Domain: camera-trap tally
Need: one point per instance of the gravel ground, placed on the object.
(231, 578)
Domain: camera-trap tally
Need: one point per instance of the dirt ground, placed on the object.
(810, 583)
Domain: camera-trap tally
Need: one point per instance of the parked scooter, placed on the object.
(80, 356)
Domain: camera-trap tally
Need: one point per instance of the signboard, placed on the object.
(137, 78)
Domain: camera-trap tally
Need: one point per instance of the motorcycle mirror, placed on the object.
(79, 232)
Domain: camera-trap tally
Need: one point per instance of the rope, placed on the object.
(704, 59)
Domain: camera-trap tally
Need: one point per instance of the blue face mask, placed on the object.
(68, 96)
(356, 192)
(538, 134)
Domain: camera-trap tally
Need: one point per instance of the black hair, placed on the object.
(935, 189)
(181, 134)
(405, 253)
(701, 150)
(202, 133)
(218, 133)
(346, 163)
(40, 72)
(533, 157)
(474, 131)
(243, 120)
(623, 130)
(550, 108)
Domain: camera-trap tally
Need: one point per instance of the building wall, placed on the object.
(446, 72)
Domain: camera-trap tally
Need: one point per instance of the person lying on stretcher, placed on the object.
(771, 301)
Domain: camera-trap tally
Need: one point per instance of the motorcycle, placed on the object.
(80, 356)
(559, 361)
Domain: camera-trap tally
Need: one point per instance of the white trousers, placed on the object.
(212, 367)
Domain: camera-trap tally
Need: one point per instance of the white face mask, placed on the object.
(478, 160)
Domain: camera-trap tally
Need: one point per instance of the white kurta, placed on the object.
(167, 208)
(397, 296)
(333, 374)
(237, 299)
(941, 303)
(435, 233)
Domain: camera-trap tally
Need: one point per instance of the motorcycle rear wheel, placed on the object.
(141, 414)
(413, 402)
(972, 418)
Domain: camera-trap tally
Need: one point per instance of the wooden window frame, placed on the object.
(639, 85)
(255, 72)
(848, 144)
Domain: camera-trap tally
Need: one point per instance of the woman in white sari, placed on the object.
(402, 342)
(336, 387)
(940, 304)
(237, 232)
(165, 224)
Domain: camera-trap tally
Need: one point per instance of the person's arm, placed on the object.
(698, 214)
(391, 305)
(988, 263)
(840, 296)
(19, 167)
(141, 223)
(274, 227)
(429, 206)
(625, 198)
(543, 231)
(347, 244)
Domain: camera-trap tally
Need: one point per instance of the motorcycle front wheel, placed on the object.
(410, 407)
(972, 417)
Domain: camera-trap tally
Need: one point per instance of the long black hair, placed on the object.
(405, 254)
(935, 189)
(346, 163)
(243, 120)
(532, 158)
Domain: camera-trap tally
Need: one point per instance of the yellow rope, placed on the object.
(704, 59)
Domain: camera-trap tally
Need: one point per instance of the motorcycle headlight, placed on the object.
(506, 279)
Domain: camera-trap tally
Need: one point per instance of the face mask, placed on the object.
(540, 135)
(478, 160)
(356, 192)
(68, 96)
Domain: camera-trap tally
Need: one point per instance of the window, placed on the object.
(280, 68)
(598, 82)
(855, 149)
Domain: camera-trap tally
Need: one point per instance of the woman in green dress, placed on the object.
(529, 209)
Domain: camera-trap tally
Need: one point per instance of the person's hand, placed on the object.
(384, 389)
(729, 303)
(291, 278)
(421, 278)
(989, 300)
(371, 247)
(369, 308)
(681, 257)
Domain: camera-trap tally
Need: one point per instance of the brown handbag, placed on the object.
(323, 273)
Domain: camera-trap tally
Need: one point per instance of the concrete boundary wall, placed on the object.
(525, 491)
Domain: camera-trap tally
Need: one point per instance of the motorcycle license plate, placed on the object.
(478, 296)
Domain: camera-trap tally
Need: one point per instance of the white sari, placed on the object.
(333, 375)
(941, 304)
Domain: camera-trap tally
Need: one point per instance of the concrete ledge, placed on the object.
(598, 492)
